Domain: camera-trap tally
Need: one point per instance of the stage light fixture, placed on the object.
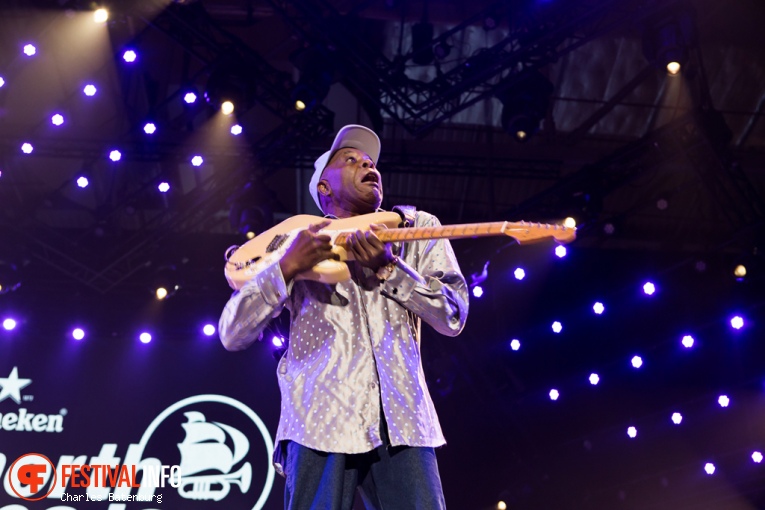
(515, 344)
(557, 327)
(422, 43)
(519, 273)
(569, 222)
(236, 130)
(477, 291)
(100, 15)
(737, 322)
(560, 251)
(594, 379)
(10, 278)
(637, 361)
(27, 148)
(163, 187)
(632, 432)
(598, 308)
(739, 272)
(2, 82)
(197, 160)
(317, 70)
(554, 394)
(649, 288)
(129, 56)
(687, 341)
(89, 90)
(208, 329)
(227, 107)
(82, 181)
(525, 102)
(667, 40)
(145, 337)
(757, 457)
(277, 341)
(501, 505)
(115, 155)
(78, 333)
(709, 468)
(190, 97)
(250, 235)
(149, 128)
(57, 119)
(677, 418)
(161, 293)
(9, 324)
(29, 50)
(723, 400)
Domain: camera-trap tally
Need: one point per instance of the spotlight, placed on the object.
(525, 103)
(100, 15)
(478, 291)
(89, 90)
(29, 50)
(632, 432)
(501, 505)
(149, 128)
(737, 322)
(723, 400)
(277, 341)
(649, 288)
(57, 119)
(554, 394)
(598, 308)
(687, 341)
(145, 337)
(557, 327)
(637, 361)
(9, 324)
(82, 181)
(709, 468)
(163, 187)
(197, 160)
(515, 344)
(78, 333)
(317, 71)
(594, 379)
(2, 82)
(190, 97)
(677, 418)
(667, 40)
(740, 272)
(161, 293)
(115, 155)
(208, 330)
(27, 148)
(757, 457)
(569, 222)
(227, 107)
(166, 281)
(560, 251)
(519, 273)
(236, 130)
(129, 56)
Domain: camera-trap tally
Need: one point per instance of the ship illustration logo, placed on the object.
(204, 449)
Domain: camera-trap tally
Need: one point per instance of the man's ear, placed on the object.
(324, 188)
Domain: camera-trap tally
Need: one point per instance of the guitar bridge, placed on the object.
(276, 243)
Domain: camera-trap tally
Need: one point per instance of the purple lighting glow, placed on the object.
(163, 187)
(687, 341)
(277, 341)
(632, 432)
(115, 155)
(737, 322)
(519, 273)
(723, 400)
(57, 119)
(89, 90)
(144, 337)
(29, 50)
(598, 308)
(9, 324)
(594, 379)
(82, 182)
(236, 130)
(515, 344)
(27, 148)
(78, 333)
(2, 82)
(709, 468)
(649, 288)
(149, 128)
(208, 330)
(757, 457)
(554, 394)
(190, 97)
(637, 361)
(560, 251)
(129, 56)
(557, 327)
(477, 291)
(677, 418)
(197, 161)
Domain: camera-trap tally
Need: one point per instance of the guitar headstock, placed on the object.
(526, 232)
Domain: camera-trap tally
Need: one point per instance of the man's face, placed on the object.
(354, 182)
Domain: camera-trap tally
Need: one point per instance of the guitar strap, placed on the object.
(408, 213)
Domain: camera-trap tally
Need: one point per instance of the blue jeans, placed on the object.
(388, 478)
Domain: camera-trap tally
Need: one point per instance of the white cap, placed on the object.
(353, 136)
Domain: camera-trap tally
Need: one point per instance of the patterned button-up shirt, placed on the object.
(354, 347)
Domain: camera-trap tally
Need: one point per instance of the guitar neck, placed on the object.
(441, 232)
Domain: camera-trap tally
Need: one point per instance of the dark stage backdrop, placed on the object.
(102, 401)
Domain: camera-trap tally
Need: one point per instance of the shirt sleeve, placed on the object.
(250, 308)
(431, 285)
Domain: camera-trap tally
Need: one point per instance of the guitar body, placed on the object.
(245, 261)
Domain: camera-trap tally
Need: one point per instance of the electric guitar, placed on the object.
(242, 262)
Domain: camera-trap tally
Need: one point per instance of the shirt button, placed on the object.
(372, 385)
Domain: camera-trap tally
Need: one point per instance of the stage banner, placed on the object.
(114, 424)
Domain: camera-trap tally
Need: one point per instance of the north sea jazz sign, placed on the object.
(201, 451)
